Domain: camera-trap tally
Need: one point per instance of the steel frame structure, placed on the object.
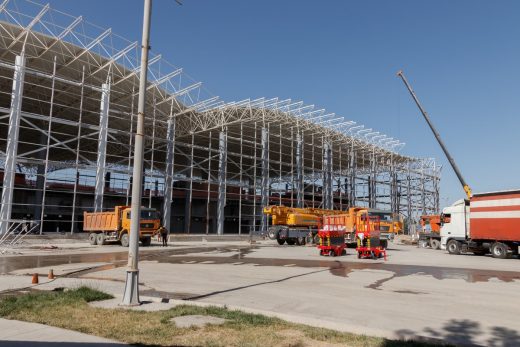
(68, 114)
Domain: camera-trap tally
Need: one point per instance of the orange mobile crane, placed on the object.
(295, 225)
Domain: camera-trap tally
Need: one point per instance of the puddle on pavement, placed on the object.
(343, 269)
(117, 258)
(439, 273)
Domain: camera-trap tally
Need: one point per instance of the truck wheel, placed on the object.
(92, 238)
(125, 240)
(384, 244)
(499, 250)
(280, 241)
(272, 234)
(435, 244)
(146, 241)
(300, 241)
(100, 239)
(291, 242)
(453, 247)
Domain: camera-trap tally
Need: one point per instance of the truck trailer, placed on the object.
(115, 225)
(487, 222)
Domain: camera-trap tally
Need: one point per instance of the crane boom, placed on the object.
(465, 186)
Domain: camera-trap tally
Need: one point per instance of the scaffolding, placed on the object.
(68, 114)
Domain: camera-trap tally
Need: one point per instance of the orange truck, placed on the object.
(430, 234)
(114, 225)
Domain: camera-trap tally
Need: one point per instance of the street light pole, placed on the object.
(131, 294)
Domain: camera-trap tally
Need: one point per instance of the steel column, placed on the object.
(168, 179)
(78, 147)
(12, 143)
(299, 171)
(240, 178)
(208, 205)
(265, 178)
(189, 192)
(222, 165)
(102, 147)
(372, 182)
(327, 175)
(352, 180)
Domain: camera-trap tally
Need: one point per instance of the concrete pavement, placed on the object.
(22, 334)
(421, 293)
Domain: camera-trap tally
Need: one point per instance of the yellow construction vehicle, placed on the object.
(389, 225)
(114, 225)
(295, 225)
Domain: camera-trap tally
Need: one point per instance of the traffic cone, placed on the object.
(51, 274)
(35, 279)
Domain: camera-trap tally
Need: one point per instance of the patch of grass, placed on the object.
(42, 300)
(70, 310)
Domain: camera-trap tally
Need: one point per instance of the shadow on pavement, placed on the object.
(202, 296)
(465, 332)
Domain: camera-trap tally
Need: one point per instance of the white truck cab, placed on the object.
(455, 222)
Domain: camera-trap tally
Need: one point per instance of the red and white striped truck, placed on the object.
(487, 222)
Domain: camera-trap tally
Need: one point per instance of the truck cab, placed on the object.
(149, 224)
(455, 222)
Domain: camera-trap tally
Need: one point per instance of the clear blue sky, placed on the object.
(462, 58)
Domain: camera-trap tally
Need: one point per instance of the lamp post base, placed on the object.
(131, 296)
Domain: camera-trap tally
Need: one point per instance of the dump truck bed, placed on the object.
(100, 221)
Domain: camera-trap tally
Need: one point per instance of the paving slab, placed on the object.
(197, 321)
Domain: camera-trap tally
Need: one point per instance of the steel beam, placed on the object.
(13, 133)
(102, 147)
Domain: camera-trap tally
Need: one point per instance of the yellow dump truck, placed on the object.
(115, 225)
(295, 225)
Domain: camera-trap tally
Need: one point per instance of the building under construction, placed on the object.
(68, 104)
